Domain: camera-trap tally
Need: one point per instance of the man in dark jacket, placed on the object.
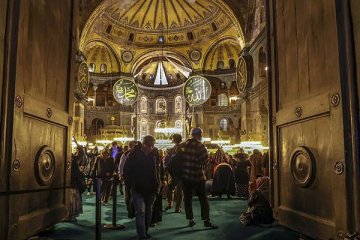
(195, 157)
(141, 176)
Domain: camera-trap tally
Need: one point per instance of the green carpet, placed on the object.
(224, 213)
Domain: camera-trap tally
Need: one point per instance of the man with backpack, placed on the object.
(174, 168)
(195, 157)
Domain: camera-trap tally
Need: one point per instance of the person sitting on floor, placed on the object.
(259, 211)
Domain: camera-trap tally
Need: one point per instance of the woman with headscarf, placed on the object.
(157, 207)
(241, 173)
(259, 211)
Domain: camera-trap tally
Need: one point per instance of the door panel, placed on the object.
(309, 162)
(41, 134)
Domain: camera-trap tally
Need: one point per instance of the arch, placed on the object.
(144, 128)
(178, 104)
(103, 68)
(96, 125)
(100, 99)
(160, 124)
(178, 124)
(144, 104)
(224, 124)
(161, 105)
(223, 100)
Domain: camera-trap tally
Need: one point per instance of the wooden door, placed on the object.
(310, 174)
(39, 90)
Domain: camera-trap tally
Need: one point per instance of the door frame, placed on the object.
(350, 105)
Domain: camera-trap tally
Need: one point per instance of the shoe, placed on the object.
(191, 223)
(88, 194)
(178, 211)
(167, 208)
(210, 225)
(152, 224)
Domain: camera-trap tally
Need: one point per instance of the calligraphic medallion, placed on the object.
(242, 74)
(197, 90)
(125, 91)
(83, 78)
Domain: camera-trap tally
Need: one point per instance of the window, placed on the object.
(108, 29)
(144, 128)
(178, 104)
(223, 100)
(160, 106)
(214, 27)
(224, 123)
(143, 105)
(220, 65)
(178, 124)
(131, 37)
(262, 63)
(92, 67)
(232, 63)
(190, 36)
(103, 68)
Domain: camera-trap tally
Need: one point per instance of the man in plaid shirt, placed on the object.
(195, 157)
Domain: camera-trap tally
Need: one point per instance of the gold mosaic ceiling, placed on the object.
(190, 27)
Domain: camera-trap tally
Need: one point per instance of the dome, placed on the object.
(148, 22)
(101, 58)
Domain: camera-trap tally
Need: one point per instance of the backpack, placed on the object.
(175, 164)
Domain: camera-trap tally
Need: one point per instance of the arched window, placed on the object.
(220, 65)
(92, 67)
(160, 106)
(224, 124)
(178, 124)
(178, 104)
(100, 99)
(232, 63)
(223, 100)
(160, 124)
(262, 63)
(103, 68)
(143, 105)
(144, 128)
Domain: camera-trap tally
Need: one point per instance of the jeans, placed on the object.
(175, 184)
(143, 212)
(199, 188)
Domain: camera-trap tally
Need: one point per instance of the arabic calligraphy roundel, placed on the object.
(197, 90)
(83, 78)
(244, 73)
(125, 91)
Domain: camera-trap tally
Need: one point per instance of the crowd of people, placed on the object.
(146, 175)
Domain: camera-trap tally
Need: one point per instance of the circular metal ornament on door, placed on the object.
(303, 166)
(125, 91)
(197, 90)
(83, 79)
(45, 165)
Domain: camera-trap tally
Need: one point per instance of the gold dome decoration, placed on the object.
(222, 55)
(101, 58)
(140, 23)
